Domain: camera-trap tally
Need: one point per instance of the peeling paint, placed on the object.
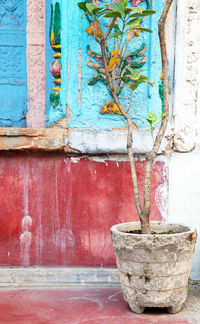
(63, 226)
(63, 239)
(75, 159)
(26, 223)
(25, 243)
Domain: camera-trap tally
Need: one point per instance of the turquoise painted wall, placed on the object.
(85, 101)
(13, 79)
(49, 58)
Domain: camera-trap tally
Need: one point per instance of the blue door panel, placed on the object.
(13, 79)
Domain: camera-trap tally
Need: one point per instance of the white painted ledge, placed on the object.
(90, 141)
(74, 140)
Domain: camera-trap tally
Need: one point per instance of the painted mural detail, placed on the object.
(36, 63)
(11, 13)
(118, 62)
(78, 95)
(55, 66)
(13, 80)
(134, 3)
(11, 69)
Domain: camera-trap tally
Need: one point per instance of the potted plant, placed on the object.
(153, 258)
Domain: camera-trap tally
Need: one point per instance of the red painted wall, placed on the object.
(57, 212)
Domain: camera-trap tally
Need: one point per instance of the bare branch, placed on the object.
(96, 39)
(110, 28)
(161, 132)
(130, 131)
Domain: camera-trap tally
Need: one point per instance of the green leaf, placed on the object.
(148, 12)
(135, 75)
(117, 34)
(95, 11)
(118, 7)
(133, 22)
(113, 26)
(82, 6)
(124, 3)
(133, 86)
(84, 14)
(91, 7)
(144, 79)
(137, 9)
(152, 118)
(102, 12)
(112, 14)
(130, 69)
(94, 80)
(144, 29)
(144, 13)
(127, 11)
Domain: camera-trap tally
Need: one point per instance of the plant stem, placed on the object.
(151, 157)
(130, 131)
(145, 213)
(113, 72)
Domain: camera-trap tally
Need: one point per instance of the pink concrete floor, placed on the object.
(86, 305)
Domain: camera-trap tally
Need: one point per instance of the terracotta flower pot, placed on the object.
(154, 269)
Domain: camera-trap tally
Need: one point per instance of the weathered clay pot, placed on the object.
(154, 269)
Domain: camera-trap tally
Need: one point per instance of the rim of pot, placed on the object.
(188, 229)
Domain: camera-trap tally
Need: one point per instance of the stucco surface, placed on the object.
(57, 210)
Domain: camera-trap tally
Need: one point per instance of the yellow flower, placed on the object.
(137, 32)
(115, 59)
(89, 30)
(94, 29)
(110, 108)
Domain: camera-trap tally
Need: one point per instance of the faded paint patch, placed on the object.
(75, 159)
(95, 242)
(60, 225)
(26, 240)
(63, 239)
(26, 223)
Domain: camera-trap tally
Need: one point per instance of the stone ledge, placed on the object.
(78, 141)
(33, 139)
(40, 277)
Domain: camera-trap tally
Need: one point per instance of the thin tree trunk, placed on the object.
(145, 213)
(151, 157)
(129, 136)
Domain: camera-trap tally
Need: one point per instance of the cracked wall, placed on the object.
(187, 70)
(184, 170)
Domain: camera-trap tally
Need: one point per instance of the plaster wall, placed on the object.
(184, 171)
(184, 167)
(58, 211)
